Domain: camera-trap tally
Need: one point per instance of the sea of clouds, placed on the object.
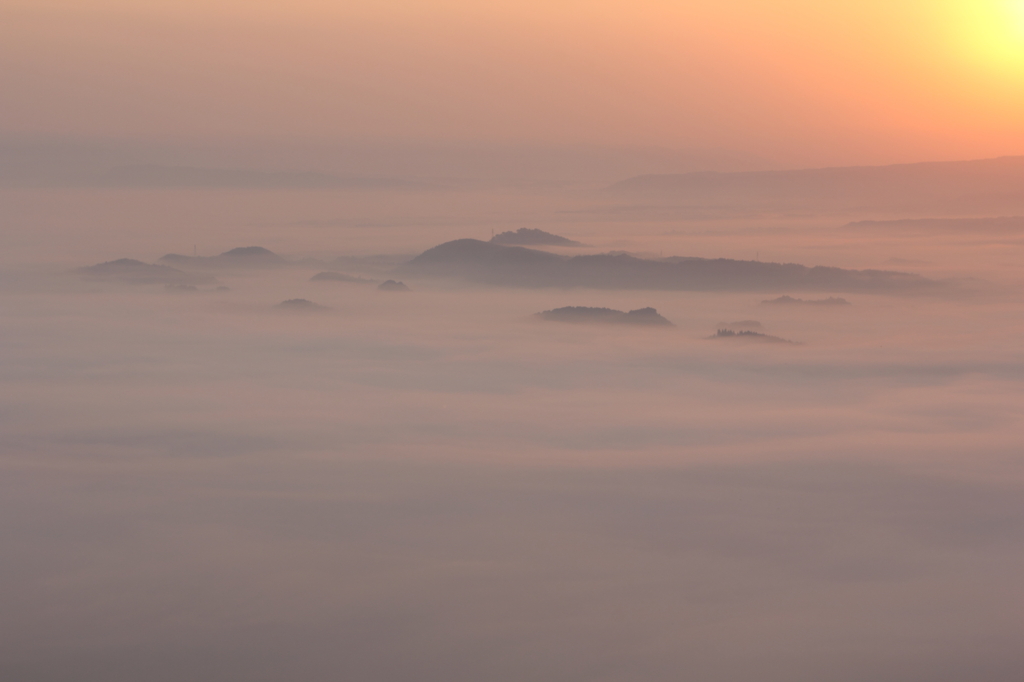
(435, 485)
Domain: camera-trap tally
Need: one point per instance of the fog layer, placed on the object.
(200, 484)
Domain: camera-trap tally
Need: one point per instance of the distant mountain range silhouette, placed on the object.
(392, 285)
(983, 185)
(497, 265)
(241, 257)
(583, 315)
(133, 271)
(526, 236)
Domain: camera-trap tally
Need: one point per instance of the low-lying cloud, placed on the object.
(436, 485)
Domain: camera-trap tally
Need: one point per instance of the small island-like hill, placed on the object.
(301, 305)
(750, 336)
(526, 236)
(583, 315)
(789, 300)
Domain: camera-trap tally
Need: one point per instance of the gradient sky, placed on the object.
(842, 81)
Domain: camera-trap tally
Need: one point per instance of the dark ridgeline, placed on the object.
(392, 285)
(961, 186)
(790, 301)
(133, 271)
(526, 236)
(582, 315)
(516, 266)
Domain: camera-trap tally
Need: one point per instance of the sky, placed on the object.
(791, 81)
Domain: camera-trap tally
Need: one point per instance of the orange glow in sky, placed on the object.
(836, 80)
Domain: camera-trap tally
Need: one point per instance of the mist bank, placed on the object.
(1002, 225)
(968, 186)
(336, 164)
(152, 176)
(435, 486)
(512, 266)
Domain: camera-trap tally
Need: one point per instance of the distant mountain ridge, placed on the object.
(243, 256)
(133, 271)
(496, 265)
(987, 184)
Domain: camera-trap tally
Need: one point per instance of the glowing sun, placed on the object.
(995, 31)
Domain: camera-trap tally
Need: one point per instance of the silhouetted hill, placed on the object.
(493, 264)
(526, 236)
(985, 185)
(749, 336)
(331, 276)
(301, 305)
(136, 272)
(241, 257)
(252, 252)
(789, 300)
(584, 315)
(392, 285)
